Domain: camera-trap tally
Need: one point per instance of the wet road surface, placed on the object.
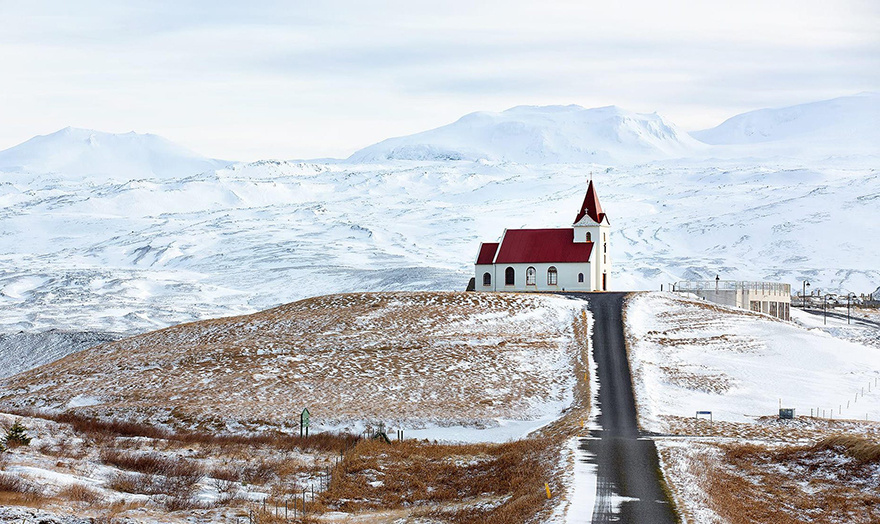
(628, 488)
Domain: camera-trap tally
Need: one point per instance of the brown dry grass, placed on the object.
(16, 488)
(81, 493)
(861, 449)
(151, 463)
(103, 431)
(833, 481)
(416, 473)
(498, 484)
(771, 428)
(365, 356)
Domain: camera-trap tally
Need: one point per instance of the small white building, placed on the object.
(567, 259)
(773, 298)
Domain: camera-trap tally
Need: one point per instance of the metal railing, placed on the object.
(733, 285)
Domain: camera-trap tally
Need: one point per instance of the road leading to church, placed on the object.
(628, 484)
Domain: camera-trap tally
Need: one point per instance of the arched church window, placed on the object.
(581, 278)
(487, 279)
(531, 276)
(509, 276)
(589, 237)
(552, 276)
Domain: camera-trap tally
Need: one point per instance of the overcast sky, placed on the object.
(312, 79)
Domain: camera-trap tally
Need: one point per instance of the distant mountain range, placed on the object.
(549, 134)
(525, 134)
(74, 152)
(852, 121)
(572, 134)
(124, 233)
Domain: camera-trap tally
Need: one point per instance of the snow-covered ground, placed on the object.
(22, 351)
(866, 334)
(129, 256)
(690, 356)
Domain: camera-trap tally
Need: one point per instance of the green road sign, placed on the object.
(304, 422)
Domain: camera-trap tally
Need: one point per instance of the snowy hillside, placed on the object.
(78, 153)
(499, 363)
(841, 125)
(132, 256)
(690, 355)
(23, 351)
(549, 134)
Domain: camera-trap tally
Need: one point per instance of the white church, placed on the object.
(567, 259)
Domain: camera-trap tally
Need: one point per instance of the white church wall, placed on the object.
(567, 277)
(482, 269)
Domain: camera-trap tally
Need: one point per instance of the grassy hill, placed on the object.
(408, 359)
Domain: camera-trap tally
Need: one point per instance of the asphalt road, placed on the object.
(626, 459)
(840, 316)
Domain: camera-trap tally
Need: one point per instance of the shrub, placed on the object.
(16, 436)
(11, 483)
(81, 493)
(152, 464)
(131, 483)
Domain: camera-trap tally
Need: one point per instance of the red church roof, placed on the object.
(591, 206)
(487, 252)
(521, 246)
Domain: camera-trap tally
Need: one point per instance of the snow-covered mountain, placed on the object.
(548, 134)
(74, 152)
(841, 125)
(157, 244)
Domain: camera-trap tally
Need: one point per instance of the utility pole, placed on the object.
(804, 295)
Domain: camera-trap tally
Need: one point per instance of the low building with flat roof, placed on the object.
(773, 298)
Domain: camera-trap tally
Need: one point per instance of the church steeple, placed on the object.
(591, 206)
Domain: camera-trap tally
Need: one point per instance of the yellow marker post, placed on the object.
(547, 487)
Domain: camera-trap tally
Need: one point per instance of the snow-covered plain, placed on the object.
(129, 256)
(689, 356)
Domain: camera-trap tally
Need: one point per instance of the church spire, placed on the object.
(591, 206)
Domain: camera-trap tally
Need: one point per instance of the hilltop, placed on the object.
(75, 152)
(541, 134)
(503, 363)
(840, 126)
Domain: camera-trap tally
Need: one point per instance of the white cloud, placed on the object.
(305, 80)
